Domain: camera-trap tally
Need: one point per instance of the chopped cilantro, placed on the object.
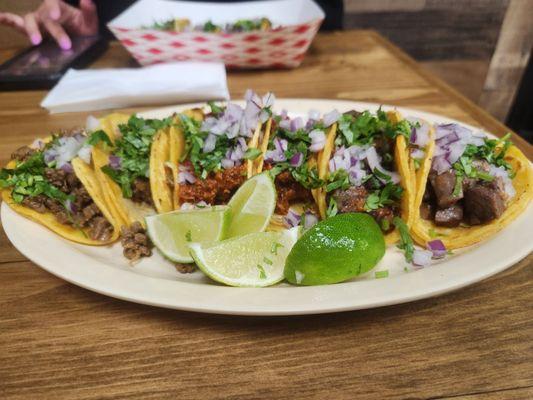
(381, 274)
(389, 194)
(188, 236)
(275, 247)
(252, 153)
(262, 273)
(133, 148)
(99, 136)
(332, 208)
(406, 242)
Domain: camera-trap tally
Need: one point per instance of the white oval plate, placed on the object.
(154, 281)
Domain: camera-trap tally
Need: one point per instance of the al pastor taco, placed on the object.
(53, 183)
(470, 188)
(218, 150)
(366, 167)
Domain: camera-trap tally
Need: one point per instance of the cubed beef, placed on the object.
(449, 217)
(384, 217)
(351, 200)
(483, 204)
(427, 210)
(141, 192)
(22, 153)
(443, 187)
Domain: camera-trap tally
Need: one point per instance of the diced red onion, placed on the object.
(418, 154)
(185, 175)
(500, 172)
(281, 144)
(209, 143)
(67, 167)
(187, 206)
(115, 162)
(441, 164)
(293, 218)
(85, 153)
(310, 219)
(456, 150)
(318, 140)
(314, 115)
(92, 123)
(437, 248)
(331, 117)
(37, 144)
(296, 123)
(422, 258)
(374, 162)
(269, 99)
(208, 124)
(285, 124)
(446, 140)
(284, 114)
(70, 206)
(296, 160)
(227, 163)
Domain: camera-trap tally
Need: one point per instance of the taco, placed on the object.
(291, 150)
(471, 187)
(365, 168)
(53, 183)
(217, 150)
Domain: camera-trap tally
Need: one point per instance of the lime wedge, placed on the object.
(172, 232)
(253, 260)
(252, 206)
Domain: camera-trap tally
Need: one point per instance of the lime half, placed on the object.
(172, 232)
(255, 260)
(252, 206)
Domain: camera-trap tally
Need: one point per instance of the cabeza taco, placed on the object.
(53, 183)
(470, 188)
(366, 168)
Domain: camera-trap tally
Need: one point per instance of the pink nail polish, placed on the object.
(55, 14)
(35, 39)
(65, 44)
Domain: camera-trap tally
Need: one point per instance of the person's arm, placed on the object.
(56, 18)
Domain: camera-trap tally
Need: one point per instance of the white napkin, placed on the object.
(99, 89)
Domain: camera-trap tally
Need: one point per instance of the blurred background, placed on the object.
(480, 47)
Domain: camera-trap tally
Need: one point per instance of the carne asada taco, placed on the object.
(367, 169)
(53, 183)
(471, 187)
(291, 150)
(217, 151)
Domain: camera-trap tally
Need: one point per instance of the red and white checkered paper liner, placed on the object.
(282, 47)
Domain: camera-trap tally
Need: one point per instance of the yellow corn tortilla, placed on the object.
(463, 236)
(401, 159)
(86, 175)
(127, 211)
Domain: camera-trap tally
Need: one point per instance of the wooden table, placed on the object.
(59, 341)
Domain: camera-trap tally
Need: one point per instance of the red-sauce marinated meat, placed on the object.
(217, 188)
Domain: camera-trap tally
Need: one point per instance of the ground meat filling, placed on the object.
(217, 188)
(476, 202)
(84, 213)
(22, 153)
(135, 242)
(289, 192)
(141, 192)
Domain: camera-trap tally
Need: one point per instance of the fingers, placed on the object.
(12, 20)
(58, 33)
(90, 15)
(32, 28)
(53, 9)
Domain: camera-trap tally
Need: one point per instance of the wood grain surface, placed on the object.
(58, 341)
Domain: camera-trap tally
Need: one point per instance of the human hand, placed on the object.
(57, 19)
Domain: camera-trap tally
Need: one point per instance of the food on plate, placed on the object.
(291, 149)
(53, 183)
(471, 187)
(334, 250)
(215, 152)
(257, 259)
(172, 232)
(241, 25)
(365, 166)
